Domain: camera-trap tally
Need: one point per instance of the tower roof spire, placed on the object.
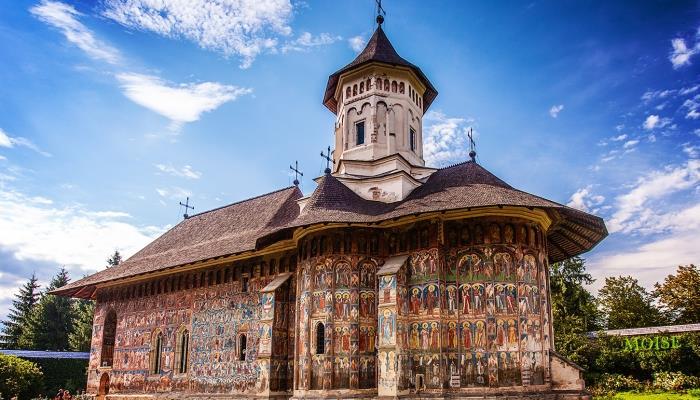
(378, 49)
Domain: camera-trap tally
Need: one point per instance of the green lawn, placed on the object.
(653, 396)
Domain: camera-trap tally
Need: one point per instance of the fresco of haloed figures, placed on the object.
(487, 317)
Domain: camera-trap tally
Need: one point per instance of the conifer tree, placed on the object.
(51, 321)
(80, 337)
(24, 302)
(115, 259)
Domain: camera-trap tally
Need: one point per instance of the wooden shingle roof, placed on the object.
(254, 223)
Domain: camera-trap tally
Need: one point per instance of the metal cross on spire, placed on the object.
(297, 173)
(380, 12)
(329, 160)
(187, 207)
(472, 145)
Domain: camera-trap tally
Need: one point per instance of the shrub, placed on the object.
(608, 384)
(675, 381)
(694, 392)
(19, 377)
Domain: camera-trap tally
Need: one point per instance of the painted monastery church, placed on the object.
(391, 280)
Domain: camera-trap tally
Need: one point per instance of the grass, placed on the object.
(651, 396)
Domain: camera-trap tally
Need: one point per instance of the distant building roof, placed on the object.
(650, 330)
(74, 355)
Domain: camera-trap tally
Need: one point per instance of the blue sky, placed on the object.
(112, 112)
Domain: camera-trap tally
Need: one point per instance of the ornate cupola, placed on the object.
(379, 100)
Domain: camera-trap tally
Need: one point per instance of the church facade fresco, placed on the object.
(391, 280)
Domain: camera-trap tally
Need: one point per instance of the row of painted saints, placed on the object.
(340, 275)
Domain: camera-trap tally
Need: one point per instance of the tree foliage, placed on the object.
(80, 337)
(51, 321)
(114, 260)
(679, 295)
(22, 305)
(19, 377)
(626, 304)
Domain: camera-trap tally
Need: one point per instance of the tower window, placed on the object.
(320, 338)
(412, 139)
(183, 349)
(360, 132)
(156, 353)
(108, 334)
(244, 284)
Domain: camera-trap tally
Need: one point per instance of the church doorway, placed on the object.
(103, 389)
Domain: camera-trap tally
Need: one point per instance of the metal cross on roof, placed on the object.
(329, 160)
(380, 12)
(472, 145)
(297, 173)
(187, 206)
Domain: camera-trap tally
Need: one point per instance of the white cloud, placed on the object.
(691, 150)
(689, 90)
(681, 54)
(693, 114)
(64, 17)
(630, 143)
(692, 105)
(34, 228)
(184, 172)
(657, 94)
(306, 41)
(555, 110)
(445, 139)
(635, 211)
(583, 199)
(244, 28)
(10, 142)
(179, 103)
(654, 122)
(619, 138)
(174, 193)
(357, 43)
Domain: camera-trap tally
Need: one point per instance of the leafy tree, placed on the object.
(51, 321)
(574, 309)
(80, 337)
(24, 302)
(19, 378)
(115, 259)
(626, 304)
(680, 295)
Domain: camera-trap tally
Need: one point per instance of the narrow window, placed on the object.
(244, 284)
(412, 139)
(242, 343)
(360, 131)
(320, 338)
(369, 84)
(348, 92)
(354, 90)
(184, 349)
(394, 86)
(362, 87)
(401, 88)
(156, 353)
(108, 334)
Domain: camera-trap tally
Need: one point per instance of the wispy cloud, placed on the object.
(634, 210)
(682, 52)
(306, 41)
(64, 17)
(357, 43)
(185, 172)
(180, 103)
(445, 138)
(654, 122)
(174, 193)
(555, 110)
(243, 28)
(10, 142)
(585, 200)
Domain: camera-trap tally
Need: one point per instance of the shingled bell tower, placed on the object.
(379, 99)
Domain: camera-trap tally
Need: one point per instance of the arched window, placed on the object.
(182, 351)
(156, 352)
(369, 84)
(386, 85)
(393, 86)
(242, 343)
(420, 102)
(354, 90)
(402, 88)
(378, 83)
(320, 338)
(348, 92)
(109, 331)
(412, 138)
(362, 87)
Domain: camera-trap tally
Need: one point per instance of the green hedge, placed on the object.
(19, 377)
(610, 355)
(68, 374)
